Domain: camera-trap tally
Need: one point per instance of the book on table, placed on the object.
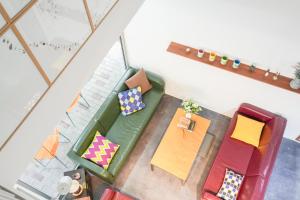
(187, 124)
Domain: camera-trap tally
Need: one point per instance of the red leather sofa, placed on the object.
(255, 163)
(110, 194)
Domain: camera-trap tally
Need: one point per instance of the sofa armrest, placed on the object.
(86, 137)
(108, 194)
(256, 112)
(209, 196)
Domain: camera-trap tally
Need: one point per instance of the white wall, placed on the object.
(263, 32)
(20, 150)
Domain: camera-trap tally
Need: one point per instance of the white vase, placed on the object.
(188, 115)
(295, 83)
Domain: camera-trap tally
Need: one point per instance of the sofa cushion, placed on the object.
(101, 151)
(108, 112)
(131, 101)
(209, 196)
(233, 154)
(139, 79)
(87, 136)
(127, 129)
(231, 184)
(108, 194)
(248, 130)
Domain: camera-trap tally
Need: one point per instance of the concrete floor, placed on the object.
(285, 179)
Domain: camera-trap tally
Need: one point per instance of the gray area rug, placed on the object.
(138, 180)
(145, 184)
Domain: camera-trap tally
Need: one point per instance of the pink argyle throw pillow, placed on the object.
(101, 151)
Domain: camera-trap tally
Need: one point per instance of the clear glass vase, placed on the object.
(295, 83)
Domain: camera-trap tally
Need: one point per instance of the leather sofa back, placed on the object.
(109, 112)
(255, 112)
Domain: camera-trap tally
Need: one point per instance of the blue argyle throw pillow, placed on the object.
(231, 185)
(131, 101)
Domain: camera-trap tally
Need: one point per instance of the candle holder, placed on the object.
(236, 63)
(200, 53)
(275, 77)
(224, 60)
(267, 72)
(212, 56)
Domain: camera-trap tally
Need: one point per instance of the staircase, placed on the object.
(8, 195)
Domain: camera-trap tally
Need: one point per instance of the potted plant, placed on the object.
(190, 108)
(295, 83)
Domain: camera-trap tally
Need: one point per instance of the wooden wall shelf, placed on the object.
(259, 74)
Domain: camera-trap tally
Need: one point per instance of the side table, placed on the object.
(84, 181)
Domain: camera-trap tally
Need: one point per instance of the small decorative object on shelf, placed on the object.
(252, 68)
(190, 107)
(236, 63)
(224, 60)
(200, 53)
(188, 50)
(295, 83)
(267, 72)
(212, 56)
(275, 77)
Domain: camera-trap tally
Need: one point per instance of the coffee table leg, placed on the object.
(151, 166)
(183, 182)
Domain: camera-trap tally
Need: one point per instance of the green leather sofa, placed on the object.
(123, 130)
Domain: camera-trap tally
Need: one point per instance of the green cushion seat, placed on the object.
(122, 130)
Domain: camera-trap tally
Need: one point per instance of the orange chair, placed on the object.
(49, 149)
(73, 104)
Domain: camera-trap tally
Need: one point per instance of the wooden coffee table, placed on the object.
(178, 149)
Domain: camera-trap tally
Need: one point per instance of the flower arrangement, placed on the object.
(190, 107)
(295, 83)
(297, 71)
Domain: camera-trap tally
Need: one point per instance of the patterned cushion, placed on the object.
(231, 185)
(131, 101)
(101, 151)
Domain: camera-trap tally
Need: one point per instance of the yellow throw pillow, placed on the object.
(248, 130)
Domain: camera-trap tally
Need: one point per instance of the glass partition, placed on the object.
(42, 174)
(2, 21)
(20, 84)
(99, 9)
(55, 30)
(12, 7)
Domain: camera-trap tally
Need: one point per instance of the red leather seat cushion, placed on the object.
(209, 196)
(108, 194)
(234, 155)
(120, 196)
